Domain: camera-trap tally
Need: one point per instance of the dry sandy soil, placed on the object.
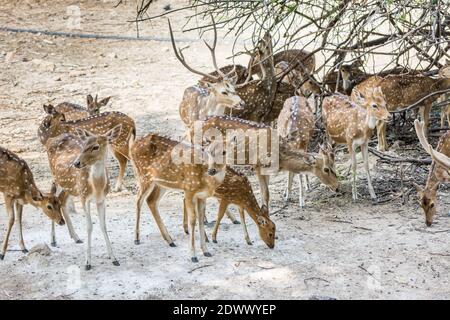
(332, 249)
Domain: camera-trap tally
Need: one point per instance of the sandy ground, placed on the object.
(332, 249)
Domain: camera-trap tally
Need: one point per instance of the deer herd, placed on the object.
(275, 101)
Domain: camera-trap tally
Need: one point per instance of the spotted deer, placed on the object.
(303, 86)
(159, 166)
(55, 124)
(238, 137)
(400, 91)
(74, 111)
(439, 171)
(19, 188)
(236, 190)
(78, 166)
(213, 96)
(352, 124)
(296, 125)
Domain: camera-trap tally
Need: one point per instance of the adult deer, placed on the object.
(78, 166)
(439, 171)
(401, 91)
(19, 188)
(213, 96)
(55, 124)
(162, 164)
(352, 124)
(296, 126)
(74, 111)
(241, 134)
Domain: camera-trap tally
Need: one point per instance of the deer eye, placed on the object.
(432, 205)
(49, 207)
(95, 148)
(326, 170)
(374, 106)
(225, 93)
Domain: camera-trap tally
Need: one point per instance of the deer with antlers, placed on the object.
(250, 143)
(74, 111)
(439, 171)
(55, 124)
(401, 91)
(78, 165)
(296, 125)
(162, 164)
(215, 93)
(19, 188)
(352, 124)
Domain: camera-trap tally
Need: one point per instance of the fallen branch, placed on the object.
(392, 159)
(201, 267)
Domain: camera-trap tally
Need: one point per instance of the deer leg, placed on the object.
(122, 166)
(19, 210)
(264, 187)
(307, 186)
(381, 134)
(185, 217)
(353, 158)
(301, 190)
(365, 154)
(232, 217)
(443, 116)
(425, 115)
(53, 235)
(189, 201)
(102, 221)
(143, 193)
(222, 209)
(68, 207)
(9, 204)
(244, 225)
(87, 211)
(153, 203)
(287, 191)
(201, 205)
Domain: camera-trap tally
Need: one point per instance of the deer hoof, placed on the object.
(116, 263)
(236, 222)
(194, 259)
(207, 254)
(172, 244)
(87, 267)
(137, 241)
(2, 256)
(24, 251)
(53, 243)
(78, 241)
(249, 242)
(215, 241)
(374, 200)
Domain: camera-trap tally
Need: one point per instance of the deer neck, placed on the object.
(293, 161)
(211, 107)
(371, 121)
(98, 175)
(253, 209)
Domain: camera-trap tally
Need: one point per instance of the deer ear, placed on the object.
(53, 189)
(114, 133)
(89, 100)
(419, 189)
(359, 96)
(49, 109)
(83, 134)
(104, 101)
(264, 210)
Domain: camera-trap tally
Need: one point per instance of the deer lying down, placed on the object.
(74, 111)
(158, 169)
(18, 188)
(55, 124)
(78, 165)
(439, 171)
(352, 124)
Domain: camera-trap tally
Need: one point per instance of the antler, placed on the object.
(180, 57)
(418, 126)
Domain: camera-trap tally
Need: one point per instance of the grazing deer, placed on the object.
(400, 91)
(78, 165)
(158, 167)
(439, 171)
(352, 123)
(236, 189)
(296, 125)
(55, 124)
(18, 188)
(213, 96)
(73, 111)
(239, 133)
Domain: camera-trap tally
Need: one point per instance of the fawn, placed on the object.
(74, 111)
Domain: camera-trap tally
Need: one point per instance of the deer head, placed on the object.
(374, 102)
(94, 146)
(50, 205)
(324, 169)
(53, 117)
(427, 201)
(266, 227)
(221, 87)
(215, 159)
(347, 71)
(94, 105)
